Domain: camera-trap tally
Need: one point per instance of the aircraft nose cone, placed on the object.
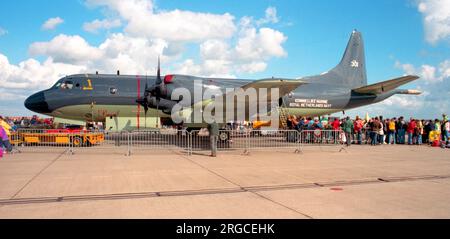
(37, 103)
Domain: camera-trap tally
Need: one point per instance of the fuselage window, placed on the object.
(67, 85)
(113, 90)
(78, 85)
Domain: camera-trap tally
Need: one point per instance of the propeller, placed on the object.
(156, 95)
(152, 95)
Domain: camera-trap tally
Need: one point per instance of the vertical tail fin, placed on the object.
(351, 71)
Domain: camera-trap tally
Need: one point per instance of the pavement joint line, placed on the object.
(280, 187)
(255, 193)
(383, 180)
(348, 182)
(251, 189)
(280, 204)
(38, 174)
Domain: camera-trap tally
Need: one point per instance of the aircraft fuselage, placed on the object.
(94, 97)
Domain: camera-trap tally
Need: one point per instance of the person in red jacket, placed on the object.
(336, 124)
(358, 125)
(410, 130)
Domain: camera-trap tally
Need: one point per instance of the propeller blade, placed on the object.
(145, 115)
(158, 76)
(146, 90)
(157, 110)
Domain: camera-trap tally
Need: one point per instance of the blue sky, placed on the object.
(315, 34)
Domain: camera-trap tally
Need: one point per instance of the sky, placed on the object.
(42, 41)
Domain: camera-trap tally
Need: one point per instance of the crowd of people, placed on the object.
(28, 122)
(378, 130)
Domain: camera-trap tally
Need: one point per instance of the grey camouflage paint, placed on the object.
(323, 94)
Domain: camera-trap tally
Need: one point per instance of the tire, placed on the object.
(77, 141)
(224, 136)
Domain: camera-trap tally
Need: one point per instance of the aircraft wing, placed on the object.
(385, 86)
(285, 86)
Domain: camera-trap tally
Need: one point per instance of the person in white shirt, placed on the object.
(446, 132)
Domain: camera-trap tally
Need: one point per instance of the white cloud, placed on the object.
(436, 18)
(3, 32)
(260, 44)
(253, 67)
(11, 96)
(271, 16)
(426, 72)
(52, 23)
(214, 49)
(131, 55)
(222, 51)
(444, 69)
(66, 49)
(31, 74)
(175, 25)
(253, 48)
(96, 25)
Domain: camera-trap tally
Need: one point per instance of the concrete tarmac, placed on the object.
(361, 182)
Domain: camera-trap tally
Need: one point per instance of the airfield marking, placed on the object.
(39, 173)
(244, 189)
(250, 189)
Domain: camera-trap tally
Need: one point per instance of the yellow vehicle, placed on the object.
(57, 137)
(258, 124)
(15, 138)
(434, 135)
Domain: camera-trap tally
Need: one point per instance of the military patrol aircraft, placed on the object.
(126, 102)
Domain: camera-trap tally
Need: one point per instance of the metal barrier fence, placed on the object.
(170, 139)
(166, 139)
(322, 137)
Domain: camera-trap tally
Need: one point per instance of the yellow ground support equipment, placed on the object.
(41, 138)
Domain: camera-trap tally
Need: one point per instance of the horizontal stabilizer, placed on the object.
(385, 86)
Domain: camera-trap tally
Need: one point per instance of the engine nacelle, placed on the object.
(163, 104)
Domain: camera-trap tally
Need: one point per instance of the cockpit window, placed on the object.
(66, 85)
